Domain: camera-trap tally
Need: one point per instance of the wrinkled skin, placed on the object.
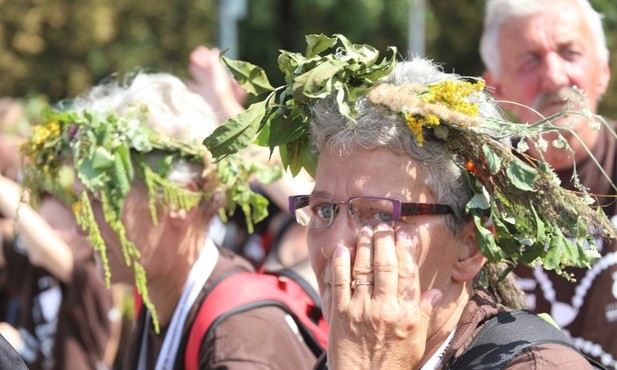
(540, 57)
(420, 271)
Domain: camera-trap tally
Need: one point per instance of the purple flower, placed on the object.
(73, 132)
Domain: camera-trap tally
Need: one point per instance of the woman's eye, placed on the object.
(384, 216)
(324, 211)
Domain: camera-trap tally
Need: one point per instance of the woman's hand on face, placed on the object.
(383, 324)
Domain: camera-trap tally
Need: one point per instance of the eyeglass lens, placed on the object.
(316, 211)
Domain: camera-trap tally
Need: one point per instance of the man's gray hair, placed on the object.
(499, 11)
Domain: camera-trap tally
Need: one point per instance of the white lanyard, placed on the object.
(200, 272)
(437, 357)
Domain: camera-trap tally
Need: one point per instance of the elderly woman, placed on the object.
(149, 193)
(414, 193)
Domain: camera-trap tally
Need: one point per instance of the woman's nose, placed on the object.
(343, 231)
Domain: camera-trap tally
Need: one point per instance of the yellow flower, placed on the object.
(416, 124)
(454, 94)
(77, 206)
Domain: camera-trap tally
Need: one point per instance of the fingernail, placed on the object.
(339, 251)
(366, 229)
(436, 299)
(382, 227)
(403, 236)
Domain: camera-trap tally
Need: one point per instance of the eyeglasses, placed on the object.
(316, 211)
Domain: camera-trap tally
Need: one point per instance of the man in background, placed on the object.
(538, 53)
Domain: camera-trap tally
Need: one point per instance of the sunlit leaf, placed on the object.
(251, 77)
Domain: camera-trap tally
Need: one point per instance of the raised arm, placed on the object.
(45, 246)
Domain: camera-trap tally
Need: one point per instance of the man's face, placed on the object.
(543, 54)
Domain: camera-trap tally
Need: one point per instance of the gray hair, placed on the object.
(376, 126)
(499, 11)
(172, 111)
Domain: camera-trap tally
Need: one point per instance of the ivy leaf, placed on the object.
(238, 132)
(522, 175)
(251, 77)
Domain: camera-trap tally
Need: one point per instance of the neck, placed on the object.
(446, 318)
(167, 285)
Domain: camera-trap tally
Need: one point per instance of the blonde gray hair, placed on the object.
(379, 127)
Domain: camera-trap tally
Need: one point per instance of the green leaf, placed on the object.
(90, 177)
(251, 77)
(486, 241)
(123, 152)
(293, 157)
(283, 129)
(318, 43)
(441, 132)
(384, 67)
(317, 82)
(237, 132)
(288, 62)
(121, 176)
(540, 228)
(522, 175)
(308, 159)
(556, 249)
(494, 162)
(102, 159)
(478, 201)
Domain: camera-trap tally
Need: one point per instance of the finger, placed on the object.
(341, 282)
(363, 261)
(385, 263)
(408, 281)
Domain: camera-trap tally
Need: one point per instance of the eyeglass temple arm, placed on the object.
(411, 209)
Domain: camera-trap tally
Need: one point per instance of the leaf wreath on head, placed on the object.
(108, 151)
(537, 222)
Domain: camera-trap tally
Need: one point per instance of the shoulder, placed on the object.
(254, 339)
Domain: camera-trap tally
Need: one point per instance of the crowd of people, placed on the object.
(430, 241)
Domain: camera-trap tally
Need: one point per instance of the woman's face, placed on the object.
(379, 173)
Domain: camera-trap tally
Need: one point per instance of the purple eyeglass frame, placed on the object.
(400, 208)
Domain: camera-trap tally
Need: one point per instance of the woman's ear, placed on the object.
(471, 259)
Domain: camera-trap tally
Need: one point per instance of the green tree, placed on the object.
(60, 47)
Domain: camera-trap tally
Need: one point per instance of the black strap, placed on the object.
(506, 335)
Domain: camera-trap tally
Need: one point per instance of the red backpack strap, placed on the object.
(247, 290)
(137, 303)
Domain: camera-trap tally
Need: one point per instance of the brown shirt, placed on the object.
(586, 309)
(480, 309)
(65, 326)
(256, 339)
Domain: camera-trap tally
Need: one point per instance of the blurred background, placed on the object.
(57, 48)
